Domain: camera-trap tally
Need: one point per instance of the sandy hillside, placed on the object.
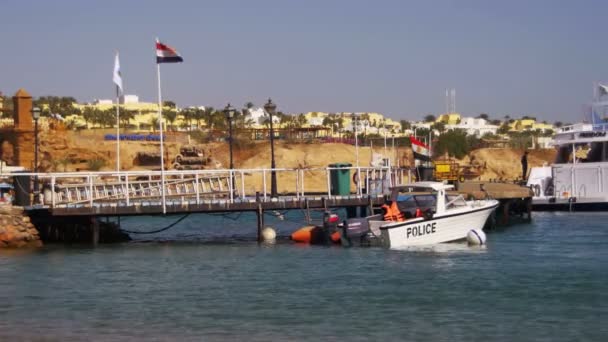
(505, 163)
(291, 156)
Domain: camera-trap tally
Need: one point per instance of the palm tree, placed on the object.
(169, 104)
(87, 114)
(430, 118)
(439, 126)
(405, 125)
(188, 114)
(126, 116)
(154, 123)
(208, 116)
(109, 117)
(300, 120)
(170, 116)
(198, 115)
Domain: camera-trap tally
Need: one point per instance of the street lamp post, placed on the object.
(36, 116)
(229, 113)
(270, 108)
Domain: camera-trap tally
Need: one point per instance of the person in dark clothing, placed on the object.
(524, 165)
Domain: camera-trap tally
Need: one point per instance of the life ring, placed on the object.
(428, 214)
(461, 179)
(356, 177)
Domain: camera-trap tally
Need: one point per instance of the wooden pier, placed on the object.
(515, 200)
(83, 197)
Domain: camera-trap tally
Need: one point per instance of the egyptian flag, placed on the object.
(166, 54)
(421, 151)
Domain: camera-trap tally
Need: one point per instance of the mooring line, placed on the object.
(158, 230)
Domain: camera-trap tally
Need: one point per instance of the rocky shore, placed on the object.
(16, 230)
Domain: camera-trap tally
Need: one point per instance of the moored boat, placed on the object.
(421, 213)
(578, 179)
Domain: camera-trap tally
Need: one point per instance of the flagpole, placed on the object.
(356, 142)
(384, 129)
(117, 130)
(162, 152)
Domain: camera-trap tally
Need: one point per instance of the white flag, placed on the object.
(602, 89)
(117, 76)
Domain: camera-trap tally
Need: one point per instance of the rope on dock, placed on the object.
(158, 230)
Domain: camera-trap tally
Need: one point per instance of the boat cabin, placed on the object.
(428, 197)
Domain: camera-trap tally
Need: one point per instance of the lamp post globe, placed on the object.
(36, 116)
(270, 108)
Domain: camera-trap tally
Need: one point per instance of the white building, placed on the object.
(102, 102)
(474, 126)
(128, 99)
(258, 116)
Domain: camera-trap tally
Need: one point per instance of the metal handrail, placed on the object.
(235, 180)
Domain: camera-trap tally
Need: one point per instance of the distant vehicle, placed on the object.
(450, 171)
(190, 157)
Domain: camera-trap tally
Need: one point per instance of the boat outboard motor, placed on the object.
(354, 232)
(330, 226)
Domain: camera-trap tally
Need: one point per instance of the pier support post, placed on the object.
(529, 208)
(95, 231)
(506, 208)
(260, 215)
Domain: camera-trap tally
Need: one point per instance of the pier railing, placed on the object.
(180, 187)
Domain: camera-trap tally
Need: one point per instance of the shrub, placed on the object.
(456, 143)
(96, 164)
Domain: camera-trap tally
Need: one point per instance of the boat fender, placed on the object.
(476, 237)
(536, 189)
(356, 177)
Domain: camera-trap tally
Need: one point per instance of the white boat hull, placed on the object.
(445, 227)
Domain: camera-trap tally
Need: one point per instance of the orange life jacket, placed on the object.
(393, 213)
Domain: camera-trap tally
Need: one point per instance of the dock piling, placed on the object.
(95, 231)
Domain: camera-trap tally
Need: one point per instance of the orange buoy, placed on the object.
(313, 235)
(304, 234)
(335, 236)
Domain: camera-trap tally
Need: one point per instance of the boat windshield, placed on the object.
(408, 203)
(454, 201)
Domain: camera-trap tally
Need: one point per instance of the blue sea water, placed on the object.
(205, 279)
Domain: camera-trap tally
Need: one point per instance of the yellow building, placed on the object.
(521, 125)
(315, 118)
(449, 119)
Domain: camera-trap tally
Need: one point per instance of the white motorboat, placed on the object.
(427, 214)
(578, 179)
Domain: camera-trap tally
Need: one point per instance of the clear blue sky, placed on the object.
(514, 57)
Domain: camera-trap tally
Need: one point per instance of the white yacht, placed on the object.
(578, 179)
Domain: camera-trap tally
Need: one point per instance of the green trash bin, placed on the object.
(340, 178)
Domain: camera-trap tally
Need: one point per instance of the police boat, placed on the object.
(421, 213)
